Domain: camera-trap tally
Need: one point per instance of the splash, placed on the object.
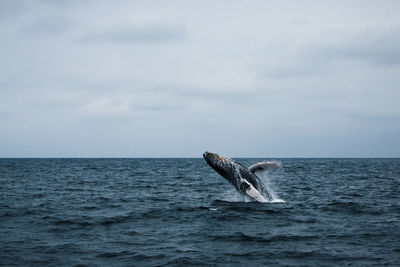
(266, 182)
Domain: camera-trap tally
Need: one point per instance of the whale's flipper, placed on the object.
(249, 189)
(263, 166)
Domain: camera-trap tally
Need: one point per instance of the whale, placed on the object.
(243, 179)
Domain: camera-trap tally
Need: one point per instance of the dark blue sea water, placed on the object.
(172, 212)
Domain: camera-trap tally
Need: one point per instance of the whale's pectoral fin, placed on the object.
(249, 189)
(263, 166)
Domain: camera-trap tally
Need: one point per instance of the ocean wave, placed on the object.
(240, 237)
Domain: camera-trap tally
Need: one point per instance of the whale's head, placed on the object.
(224, 166)
(216, 161)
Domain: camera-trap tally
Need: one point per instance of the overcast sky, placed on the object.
(175, 78)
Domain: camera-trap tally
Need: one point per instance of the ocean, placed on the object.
(178, 212)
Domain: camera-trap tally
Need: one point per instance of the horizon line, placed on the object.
(240, 157)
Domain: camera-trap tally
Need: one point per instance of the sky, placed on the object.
(176, 78)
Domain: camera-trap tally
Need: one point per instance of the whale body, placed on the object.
(242, 178)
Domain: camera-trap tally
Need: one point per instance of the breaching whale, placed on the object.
(242, 178)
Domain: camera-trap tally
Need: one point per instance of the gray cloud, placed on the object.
(377, 46)
(50, 24)
(11, 9)
(153, 34)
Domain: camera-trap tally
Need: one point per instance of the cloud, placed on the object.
(375, 46)
(11, 9)
(149, 34)
(328, 51)
(49, 24)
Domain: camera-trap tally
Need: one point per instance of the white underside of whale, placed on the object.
(254, 193)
